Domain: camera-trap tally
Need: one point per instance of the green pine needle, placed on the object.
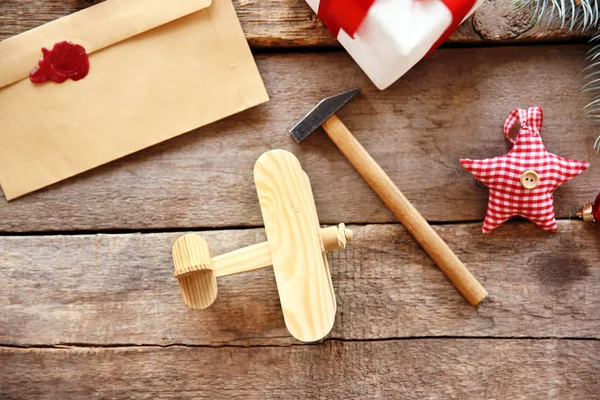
(574, 15)
(592, 79)
(568, 14)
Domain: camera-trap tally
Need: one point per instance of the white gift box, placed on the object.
(395, 35)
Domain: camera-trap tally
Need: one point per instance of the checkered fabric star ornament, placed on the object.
(522, 181)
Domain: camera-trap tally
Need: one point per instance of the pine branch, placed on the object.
(592, 79)
(568, 14)
(574, 15)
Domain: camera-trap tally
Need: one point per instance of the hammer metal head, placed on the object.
(321, 113)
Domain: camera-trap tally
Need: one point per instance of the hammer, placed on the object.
(324, 115)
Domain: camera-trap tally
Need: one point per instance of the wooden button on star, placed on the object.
(530, 180)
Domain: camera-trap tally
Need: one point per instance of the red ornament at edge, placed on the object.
(590, 212)
(596, 209)
(65, 61)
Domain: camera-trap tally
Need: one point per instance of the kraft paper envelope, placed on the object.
(158, 68)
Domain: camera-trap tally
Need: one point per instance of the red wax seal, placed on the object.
(65, 60)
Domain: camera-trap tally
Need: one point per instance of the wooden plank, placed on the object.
(408, 369)
(291, 23)
(450, 106)
(119, 289)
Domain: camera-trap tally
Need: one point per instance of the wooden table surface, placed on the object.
(89, 308)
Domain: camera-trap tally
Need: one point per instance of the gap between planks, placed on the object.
(78, 346)
(150, 231)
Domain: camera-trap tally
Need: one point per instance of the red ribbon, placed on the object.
(344, 14)
(349, 15)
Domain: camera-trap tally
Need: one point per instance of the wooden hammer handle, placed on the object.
(406, 213)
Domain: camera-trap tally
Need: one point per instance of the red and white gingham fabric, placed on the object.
(502, 174)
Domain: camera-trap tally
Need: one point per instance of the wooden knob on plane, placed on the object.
(194, 271)
(336, 237)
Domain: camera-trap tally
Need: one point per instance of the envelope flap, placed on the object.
(94, 28)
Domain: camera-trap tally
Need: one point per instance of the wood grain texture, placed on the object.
(291, 23)
(243, 260)
(119, 289)
(299, 262)
(452, 105)
(414, 369)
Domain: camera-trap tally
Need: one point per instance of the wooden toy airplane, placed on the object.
(296, 248)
